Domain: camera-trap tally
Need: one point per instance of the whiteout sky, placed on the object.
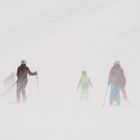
(59, 39)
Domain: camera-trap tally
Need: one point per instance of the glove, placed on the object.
(36, 73)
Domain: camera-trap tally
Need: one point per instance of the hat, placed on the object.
(116, 62)
(23, 62)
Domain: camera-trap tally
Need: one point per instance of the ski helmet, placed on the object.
(84, 72)
(23, 62)
(116, 62)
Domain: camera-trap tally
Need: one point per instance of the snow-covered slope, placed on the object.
(60, 39)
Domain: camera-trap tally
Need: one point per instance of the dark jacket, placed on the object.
(22, 72)
(117, 76)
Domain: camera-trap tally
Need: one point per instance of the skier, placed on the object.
(117, 81)
(22, 80)
(85, 85)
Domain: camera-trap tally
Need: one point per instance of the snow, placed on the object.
(59, 39)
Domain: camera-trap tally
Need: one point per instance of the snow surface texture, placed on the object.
(59, 39)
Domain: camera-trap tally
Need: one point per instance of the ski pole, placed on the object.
(6, 92)
(125, 95)
(105, 95)
(128, 101)
(37, 83)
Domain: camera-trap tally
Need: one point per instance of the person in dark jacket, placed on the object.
(22, 80)
(117, 81)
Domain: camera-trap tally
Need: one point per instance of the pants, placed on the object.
(21, 89)
(85, 93)
(115, 94)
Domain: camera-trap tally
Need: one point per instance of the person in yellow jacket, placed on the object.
(85, 85)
